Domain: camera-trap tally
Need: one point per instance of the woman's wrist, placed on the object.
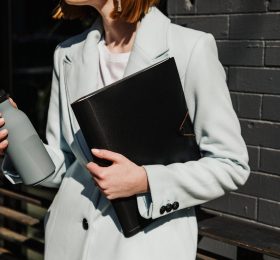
(143, 183)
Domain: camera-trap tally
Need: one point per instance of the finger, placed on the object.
(96, 180)
(100, 184)
(2, 122)
(105, 193)
(13, 102)
(95, 170)
(3, 145)
(107, 155)
(2, 153)
(110, 197)
(3, 134)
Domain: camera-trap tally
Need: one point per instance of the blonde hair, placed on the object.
(132, 10)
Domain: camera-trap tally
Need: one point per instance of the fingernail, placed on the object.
(94, 150)
(5, 142)
(4, 131)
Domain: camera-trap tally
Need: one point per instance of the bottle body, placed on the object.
(26, 150)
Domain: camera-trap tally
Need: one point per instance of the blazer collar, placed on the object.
(82, 59)
(150, 44)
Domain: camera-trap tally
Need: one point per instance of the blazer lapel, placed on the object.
(150, 44)
(81, 64)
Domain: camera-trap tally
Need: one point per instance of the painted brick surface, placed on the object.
(274, 5)
(248, 40)
(254, 157)
(217, 25)
(271, 108)
(249, 53)
(247, 105)
(260, 80)
(261, 133)
(255, 26)
(272, 53)
(235, 204)
(178, 7)
(262, 185)
(269, 212)
(230, 6)
(270, 161)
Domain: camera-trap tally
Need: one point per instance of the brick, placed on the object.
(247, 105)
(255, 26)
(274, 5)
(262, 185)
(234, 101)
(245, 53)
(236, 204)
(270, 160)
(217, 25)
(254, 155)
(230, 6)
(272, 53)
(175, 7)
(226, 71)
(252, 185)
(260, 80)
(271, 108)
(261, 133)
(269, 212)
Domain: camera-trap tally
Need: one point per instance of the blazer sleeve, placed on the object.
(224, 163)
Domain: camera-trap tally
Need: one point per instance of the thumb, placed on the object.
(107, 155)
(13, 102)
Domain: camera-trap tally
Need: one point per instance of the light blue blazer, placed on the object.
(223, 167)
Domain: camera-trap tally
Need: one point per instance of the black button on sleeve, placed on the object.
(162, 210)
(175, 205)
(168, 207)
(85, 224)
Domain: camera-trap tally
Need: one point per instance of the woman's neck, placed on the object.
(119, 35)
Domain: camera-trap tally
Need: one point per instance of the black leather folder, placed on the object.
(144, 117)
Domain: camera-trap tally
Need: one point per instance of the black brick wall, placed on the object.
(248, 39)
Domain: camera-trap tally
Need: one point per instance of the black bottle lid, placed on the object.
(3, 95)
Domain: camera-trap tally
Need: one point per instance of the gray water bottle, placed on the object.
(25, 148)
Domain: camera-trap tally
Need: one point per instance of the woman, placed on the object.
(127, 37)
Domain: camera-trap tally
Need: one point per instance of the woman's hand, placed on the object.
(4, 132)
(122, 179)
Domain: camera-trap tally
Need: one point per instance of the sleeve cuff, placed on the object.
(144, 203)
(163, 200)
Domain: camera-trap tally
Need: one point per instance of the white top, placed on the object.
(111, 65)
